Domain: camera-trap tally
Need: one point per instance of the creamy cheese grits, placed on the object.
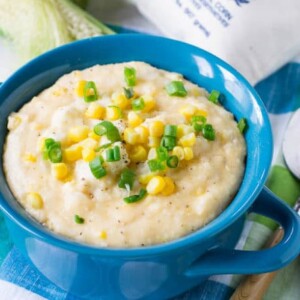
(124, 155)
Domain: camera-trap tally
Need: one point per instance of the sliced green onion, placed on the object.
(127, 178)
(96, 167)
(170, 130)
(130, 76)
(135, 198)
(172, 161)
(78, 219)
(109, 129)
(209, 132)
(168, 142)
(156, 165)
(176, 88)
(198, 123)
(117, 153)
(113, 154)
(214, 96)
(128, 92)
(162, 153)
(55, 153)
(90, 92)
(138, 104)
(49, 142)
(242, 125)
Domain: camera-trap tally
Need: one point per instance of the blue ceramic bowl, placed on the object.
(159, 271)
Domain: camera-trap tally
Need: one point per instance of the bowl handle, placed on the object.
(230, 261)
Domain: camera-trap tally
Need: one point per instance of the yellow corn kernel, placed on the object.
(145, 178)
(78, 133)
(80, 88)
(130, 136)
(156, 128)
(179, 152)
(13, 122)
(41, 143)
(94, 136)
(149, 103)
(60, 170)
(183, 129)
(138, 154)
(134, 119)
(103, 235)
(188, 111)
(35, 200)
(88, 154)
(143, 134)
(30, 157)
(188, 153)
(201, 112)
(155, 185)
(88, 143)
(72, 153)
(169, 187)
(152, 154)
(113, 113)
(95, 111)
(153, 141)
(120, 100)
(188, 140)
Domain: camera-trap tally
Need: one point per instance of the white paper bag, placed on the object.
(254, 36)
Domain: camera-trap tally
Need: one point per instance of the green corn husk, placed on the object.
(35, 26)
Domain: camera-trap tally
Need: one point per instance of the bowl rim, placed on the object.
(211, 229)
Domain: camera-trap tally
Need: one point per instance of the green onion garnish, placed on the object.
(170, 130)
(52, 150)
(96, 167)
(242, 125)
(113, 154)
(128, 92)
(176, 88)
(126, 179)
(78, 219)
(130, 76)
(156, 165)
(162, 153)
(198, 123)
(172, 161)
(109, 129)
(214, 96)
(90, 92)
(208, 132)
(135, 198)
(168, 142)
(138, 104)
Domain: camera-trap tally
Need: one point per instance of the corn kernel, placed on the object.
(183, 129)
(201, 112)
(60, 170)
(145, 178)
(88, 143)
(152, 154)
(169, 187)
(88, 154)
(188, 111)
(153, 141)
(95, 111)
(113, 113)
(120, 100)
(188, 153)
(143, 134)
(41, 143)
(13, 122)
(188, 140)
(130, 136)
(156, 128)
(138, 154)
(149, 103)
(78, 133)
(35, 200)
(103, 235)
(94, 136)
(80, 88)
(179, 152)
(134, 119)
(72, 153)
(30, 157)
(155, 185)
